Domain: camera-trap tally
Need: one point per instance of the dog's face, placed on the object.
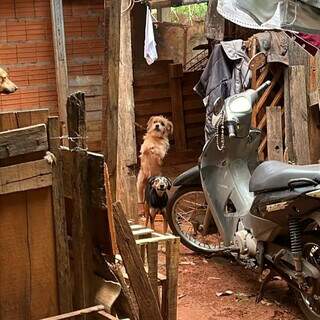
(6, 85)
(160, 184)
(160, 126)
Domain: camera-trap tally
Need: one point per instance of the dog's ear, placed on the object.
(169, 127)
(169, 183)
(151, 179)
(149, 123)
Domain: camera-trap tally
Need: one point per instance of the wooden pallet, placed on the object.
(165, 286)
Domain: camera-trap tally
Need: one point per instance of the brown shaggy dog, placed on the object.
(6, 85)
(153, 150)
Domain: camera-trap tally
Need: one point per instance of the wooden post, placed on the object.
(126, 148)
(110, 110)
(175, 74)
(146, 300)
(81, 224)
(76, 110)
(299, 114)
(172, 265)
(60, 58)
(274, 133)
(62, 248)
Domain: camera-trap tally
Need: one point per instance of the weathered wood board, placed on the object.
(28, 285)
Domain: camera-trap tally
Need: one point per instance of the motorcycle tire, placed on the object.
(179, 193)
(303, 304)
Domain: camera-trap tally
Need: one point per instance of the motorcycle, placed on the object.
(264, 214)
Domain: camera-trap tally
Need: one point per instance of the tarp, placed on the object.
(294, 15)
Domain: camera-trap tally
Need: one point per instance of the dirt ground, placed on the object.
(201, 279)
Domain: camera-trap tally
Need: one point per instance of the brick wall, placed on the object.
(85, 44)
(26, 52)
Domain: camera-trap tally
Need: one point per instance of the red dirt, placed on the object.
(200, 279)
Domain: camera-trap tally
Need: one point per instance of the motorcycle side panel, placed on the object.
(225, 176)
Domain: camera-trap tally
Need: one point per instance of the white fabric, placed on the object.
(150, 51)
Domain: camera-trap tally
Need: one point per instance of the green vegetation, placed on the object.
(187, 14)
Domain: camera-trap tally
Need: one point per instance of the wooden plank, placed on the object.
(214, 24)
(28, 288)
(76, 110)
(18, 119)
(25, 176)
(85, 80)
(77, 313)
(110, 110)
(32, 117)
(152, 258)
(172, 264)
(288, 143)
(274, 133)
(60, 223)
(60, 59)
(23, 141)
(148, 306)
(299, 115)
(179, 132)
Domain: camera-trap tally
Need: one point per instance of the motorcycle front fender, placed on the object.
(190, 177)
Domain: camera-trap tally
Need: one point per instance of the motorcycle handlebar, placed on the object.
(263, 87)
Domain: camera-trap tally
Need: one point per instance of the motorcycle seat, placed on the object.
(275, 175)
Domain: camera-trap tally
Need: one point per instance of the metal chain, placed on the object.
(219, 132)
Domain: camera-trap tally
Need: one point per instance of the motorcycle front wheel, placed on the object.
(310, 304)
(186, 214)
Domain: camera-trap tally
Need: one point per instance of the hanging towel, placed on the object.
(150, 51)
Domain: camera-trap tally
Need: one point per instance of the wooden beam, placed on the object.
(23, 141)
(173, 3)
(111, 106)
(147, 302)
(274, 133)
(126, 146)
(25, 176)
(60, 58)
(60, 223)
(214, 23)
(179, 132)
(299, 114)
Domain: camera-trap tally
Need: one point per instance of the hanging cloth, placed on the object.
(150, 51)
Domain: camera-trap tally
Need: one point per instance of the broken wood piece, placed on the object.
(23, 141)
(146, 300)
(25, 176)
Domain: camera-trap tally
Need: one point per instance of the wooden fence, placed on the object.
(163, 88)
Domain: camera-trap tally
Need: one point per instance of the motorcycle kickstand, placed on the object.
(264, 282)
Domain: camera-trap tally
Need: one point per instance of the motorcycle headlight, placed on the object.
(240, 105)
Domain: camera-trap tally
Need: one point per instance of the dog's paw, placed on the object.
(50, 157)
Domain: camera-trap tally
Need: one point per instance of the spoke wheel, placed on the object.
(186, 213)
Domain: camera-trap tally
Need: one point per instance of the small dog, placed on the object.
(153, 150)
(156, 199)
(6, 85)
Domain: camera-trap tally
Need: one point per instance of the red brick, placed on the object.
(16, 30)
(7, 8)
(24, 8)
